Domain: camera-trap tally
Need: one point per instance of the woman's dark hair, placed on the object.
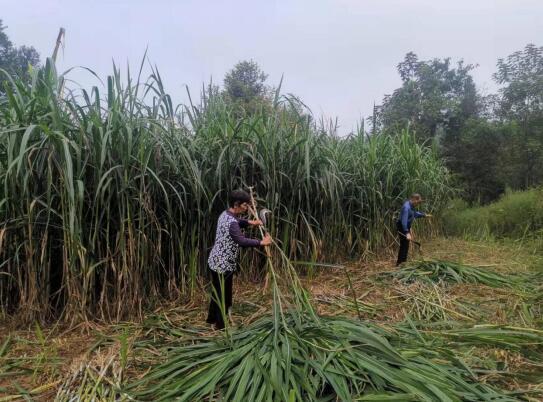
(238, 197)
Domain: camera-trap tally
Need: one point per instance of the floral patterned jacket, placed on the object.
(229, 238)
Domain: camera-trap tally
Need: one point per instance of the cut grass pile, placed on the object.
(298, 356)
(432, 302)
(292, 354)
(432, 290)
(439, 271)
(305, 359)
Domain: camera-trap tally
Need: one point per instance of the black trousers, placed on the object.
(404, 245)
(214, 315)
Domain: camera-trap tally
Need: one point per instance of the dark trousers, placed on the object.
(216, 298)
(404, 245)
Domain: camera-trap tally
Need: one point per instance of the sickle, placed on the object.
(263, 215)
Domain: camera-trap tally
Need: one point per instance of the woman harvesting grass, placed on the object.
(223, 258)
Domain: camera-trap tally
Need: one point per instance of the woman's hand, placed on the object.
(256, 222)
(266, 241)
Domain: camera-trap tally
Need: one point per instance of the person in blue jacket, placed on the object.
(408, 214)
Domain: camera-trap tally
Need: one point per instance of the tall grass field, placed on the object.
(109, 198)
(109, 195)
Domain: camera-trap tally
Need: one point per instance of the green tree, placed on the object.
(521, 102)
(435, 98)
(245, 86)
(478, 159)
(15, 60)
(503, 147)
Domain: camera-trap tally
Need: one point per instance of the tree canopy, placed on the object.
(490, 142)
(16, 60)
(245, 86)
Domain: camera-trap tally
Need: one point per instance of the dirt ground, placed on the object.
(35, 361)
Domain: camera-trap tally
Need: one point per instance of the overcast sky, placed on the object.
(339, 56)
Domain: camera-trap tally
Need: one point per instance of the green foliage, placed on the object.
(490, 143)
(521, 73)
(332, 359)
(109, 199)
(507, 150)
(245, 87)
(427, 301)
(517, 215)
(434, 98)
(15, 60)
(481, 159)
(527, 341)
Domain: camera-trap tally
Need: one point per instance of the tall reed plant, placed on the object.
(109, 197)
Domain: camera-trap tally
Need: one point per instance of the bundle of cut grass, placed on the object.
(88, 383)
(343, 304)
(308, 359)
(434, 271)
(527, 341)
(432, 302)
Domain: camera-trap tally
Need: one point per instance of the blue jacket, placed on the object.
(407, 216)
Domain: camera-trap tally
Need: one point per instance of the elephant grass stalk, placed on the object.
(108, 195)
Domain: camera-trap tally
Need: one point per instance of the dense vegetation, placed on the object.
(110, 199)
(516, 215)
(108, 205)
(490, 142)
(16, 60)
